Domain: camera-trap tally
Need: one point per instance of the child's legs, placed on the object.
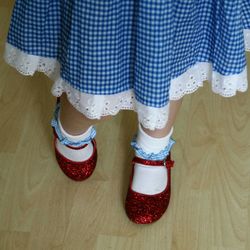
(72, 120)
(153, 145)
(173, 111)
(75, 129)
(76, 123)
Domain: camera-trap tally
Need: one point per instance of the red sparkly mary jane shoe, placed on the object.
(143, 208)
(77, 171)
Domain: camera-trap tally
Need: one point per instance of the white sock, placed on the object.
(73, 154)
(150, 179)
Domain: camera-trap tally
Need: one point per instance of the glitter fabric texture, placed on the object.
(144, 208)
(77, 171)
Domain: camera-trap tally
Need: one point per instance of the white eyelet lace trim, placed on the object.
(96, 106)
(193, 78)
(92, 106)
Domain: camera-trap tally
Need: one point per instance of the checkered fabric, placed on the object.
(109, 46)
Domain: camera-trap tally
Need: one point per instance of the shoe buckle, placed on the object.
(168, 163)
(165, 162)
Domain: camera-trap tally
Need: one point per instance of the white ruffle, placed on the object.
(92, 106)
(96, 106)
(193, 78)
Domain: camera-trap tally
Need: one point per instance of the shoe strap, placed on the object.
(167, 162)
(76, 148)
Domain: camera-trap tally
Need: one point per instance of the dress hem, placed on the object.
(96, 106)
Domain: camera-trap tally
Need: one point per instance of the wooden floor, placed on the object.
(42, 209)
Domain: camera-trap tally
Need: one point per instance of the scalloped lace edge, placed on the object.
(96, 106)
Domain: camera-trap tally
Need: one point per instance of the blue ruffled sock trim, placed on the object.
(152, 156)
(64, 140)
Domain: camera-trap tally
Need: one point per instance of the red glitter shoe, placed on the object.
(144, 208)
(77, 171)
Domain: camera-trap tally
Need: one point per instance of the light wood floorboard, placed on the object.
(42, 209)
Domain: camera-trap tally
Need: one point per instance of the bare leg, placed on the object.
(74, 122)
(173, 110)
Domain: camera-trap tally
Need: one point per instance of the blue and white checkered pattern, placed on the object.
(64, 140)
(105, 47)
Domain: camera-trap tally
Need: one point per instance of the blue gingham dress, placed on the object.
(137, 54)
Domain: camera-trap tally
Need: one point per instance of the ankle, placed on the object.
(149, 179)
(70, 127)
(151, 148)
(68, 139)
(73, 136)
(157, 133)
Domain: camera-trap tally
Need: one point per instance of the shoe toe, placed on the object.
(146, 209)
(77, 171)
